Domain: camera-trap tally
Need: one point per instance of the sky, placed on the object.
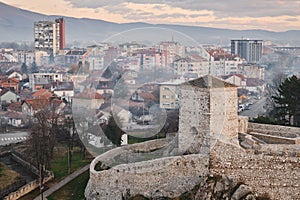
(273, 15)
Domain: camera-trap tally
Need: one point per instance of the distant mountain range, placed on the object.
(17, 25)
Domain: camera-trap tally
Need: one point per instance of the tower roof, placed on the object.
(208, 81)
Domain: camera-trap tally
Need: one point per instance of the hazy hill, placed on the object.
(17, 25)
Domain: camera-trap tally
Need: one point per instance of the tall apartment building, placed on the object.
(49, 36)
(251, 50)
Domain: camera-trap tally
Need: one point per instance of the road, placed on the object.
(13, 137)
(256, 109)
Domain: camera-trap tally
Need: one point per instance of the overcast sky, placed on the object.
(275, 15)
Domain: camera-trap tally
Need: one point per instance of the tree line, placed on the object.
(286, 103)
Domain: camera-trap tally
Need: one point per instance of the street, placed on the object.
(13, 137)
(256, 109)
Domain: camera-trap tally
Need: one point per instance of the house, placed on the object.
(15, 119)
(8, 96)
(143, 97)
(42, 94)
(15, 74)
(64, 90)
(88, 99)
(32, 106)
(10, 84)
(15, 107)
(25, 94)
(252, 71)
(43, 80)
(123, 115)
(105, 86)
(236, 79)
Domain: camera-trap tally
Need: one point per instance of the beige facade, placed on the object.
(169, 94)
(187, 65)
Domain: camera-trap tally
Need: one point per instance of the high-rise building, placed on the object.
(49, 36)
(251, 50)
(61, 35)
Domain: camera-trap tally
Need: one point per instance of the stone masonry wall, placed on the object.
(224, 117)
(283, 131)
(165, 177)
(194, 120)
(278, 175)
(271, 139)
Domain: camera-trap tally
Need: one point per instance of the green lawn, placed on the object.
(60, 162)
(59, 166)
(74, 190)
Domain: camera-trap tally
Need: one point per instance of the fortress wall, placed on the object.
(277, 175)
(283, 131)
(279, 149)
(165, 177)
(271, 139)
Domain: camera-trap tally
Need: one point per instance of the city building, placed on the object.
(169, 94)
(39, 80)
(251, 50)
(49, 36)
(252, 71)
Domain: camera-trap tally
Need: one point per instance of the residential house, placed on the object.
(15, 107)
(32, 106)
(10, 84)
(105, 86)
(88, 99)
(8, 96)
(15, 119)
(43, 94)
(252, 71)
(43, 80)
(25, 93)
(236, 79)
(15, 74)
(146, 97)
(64, 90)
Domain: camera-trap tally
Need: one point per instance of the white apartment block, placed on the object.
(43, 78)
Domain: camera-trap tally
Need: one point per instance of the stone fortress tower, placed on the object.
(206, 146)
(208, 111)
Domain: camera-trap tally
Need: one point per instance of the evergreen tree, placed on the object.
(34, 68)
(113, 132)
(287, 108)
(24, 68)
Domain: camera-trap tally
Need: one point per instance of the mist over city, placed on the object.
(142, 100)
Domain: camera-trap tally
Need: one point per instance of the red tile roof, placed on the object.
(89, 95)
(42, 94)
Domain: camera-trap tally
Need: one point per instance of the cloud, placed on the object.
(278, 15)
(221, 8)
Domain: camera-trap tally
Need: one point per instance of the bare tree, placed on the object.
(43, 132)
